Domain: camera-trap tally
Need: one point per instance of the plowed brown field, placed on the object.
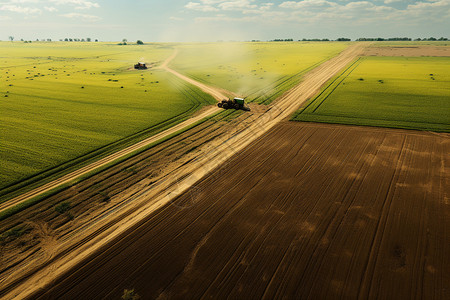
(44, 241)
(308, 211)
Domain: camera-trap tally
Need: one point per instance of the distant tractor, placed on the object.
(236, 103)
(140, 66)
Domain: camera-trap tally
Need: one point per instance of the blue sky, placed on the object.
(212, 20)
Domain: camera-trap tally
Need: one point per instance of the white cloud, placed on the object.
(50, 8)
(307, 4)
(79, 4)
(84, 17)
(205, 7)
(23, 1)
(351, 13)
(20, 9)
(237, 5)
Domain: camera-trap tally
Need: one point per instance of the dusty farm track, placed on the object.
(309, 211)
(42, 244)
(216, 93)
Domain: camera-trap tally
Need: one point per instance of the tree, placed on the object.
(139, 42)
(124, 41)
(88, 39)
(11, 38)
(96, 40)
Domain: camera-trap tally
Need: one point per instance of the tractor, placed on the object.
(236, 103)
(140, 66)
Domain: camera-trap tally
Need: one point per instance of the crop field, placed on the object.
(260, 71)
(60, 101)
(398, 92)
(309, 211)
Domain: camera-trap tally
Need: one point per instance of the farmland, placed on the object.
(309, 211)
(260, 71)
(249, 205)
(399, 92)
(101, 203)
(61, 101)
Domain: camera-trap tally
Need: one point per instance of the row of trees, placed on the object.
(78, 40)
(124, 41)
(402, 39)
(383, 39)
(315, 40)
(306, 40)
(11, 38)
(361, 39)
(432, 39)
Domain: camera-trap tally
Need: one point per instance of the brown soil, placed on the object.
(408, 51)
(109, 203)
(308, 211)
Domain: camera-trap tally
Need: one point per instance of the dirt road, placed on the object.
(216, 93)
(94, 227)
(309, 211)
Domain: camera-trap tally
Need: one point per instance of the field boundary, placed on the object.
(49, 180)
(50, 174)
(163, 192)
(310, 113)
(35, 199)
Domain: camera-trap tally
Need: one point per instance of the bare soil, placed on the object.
(308, 211)
(409, 51)
(104, 206)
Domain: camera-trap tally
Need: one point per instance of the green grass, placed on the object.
(398, 92)
(32, 201)
(62, 101)
(260, 71)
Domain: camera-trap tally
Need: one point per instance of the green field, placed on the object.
(261, 71)
(398, 92)
(60, 101)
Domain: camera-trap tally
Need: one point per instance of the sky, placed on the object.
(221, 20)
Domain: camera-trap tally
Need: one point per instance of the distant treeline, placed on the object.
(361, 39)
(401, 39)
(49, 40)
(306, 40)
(77, 40)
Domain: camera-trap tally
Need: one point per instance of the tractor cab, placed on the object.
(140, 66)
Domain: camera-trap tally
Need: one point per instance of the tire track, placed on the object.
(119, 154)
(182, 179)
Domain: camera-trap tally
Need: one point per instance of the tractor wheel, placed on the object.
(225, 105)
(236, 106)
(219, 104)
